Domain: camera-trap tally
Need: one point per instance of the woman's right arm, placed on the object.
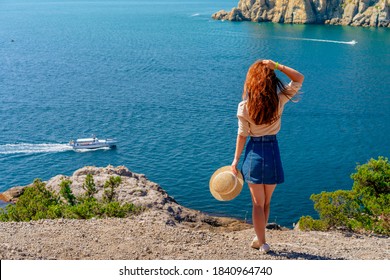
(293, 74)
(240, 144)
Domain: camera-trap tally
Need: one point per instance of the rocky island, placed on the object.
(166, 230)
(374, 13)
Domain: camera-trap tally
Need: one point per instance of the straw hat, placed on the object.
(224, 185)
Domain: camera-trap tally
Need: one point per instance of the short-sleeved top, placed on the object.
(247, 127)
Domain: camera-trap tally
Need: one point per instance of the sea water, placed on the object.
(165, 79)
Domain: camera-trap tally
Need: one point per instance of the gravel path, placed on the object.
(144, 238)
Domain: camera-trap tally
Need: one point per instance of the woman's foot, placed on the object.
(255, 243)
(264, 248)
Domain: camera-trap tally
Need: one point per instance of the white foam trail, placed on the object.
(27, 148)
(91, 150)
(195, 15)
(353, 42)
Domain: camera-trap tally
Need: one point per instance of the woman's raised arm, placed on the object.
(293, 74)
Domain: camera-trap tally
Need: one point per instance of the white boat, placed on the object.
(92, 143)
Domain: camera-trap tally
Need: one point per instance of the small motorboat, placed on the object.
(92, 143)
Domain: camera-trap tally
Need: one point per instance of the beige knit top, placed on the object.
(247, 127)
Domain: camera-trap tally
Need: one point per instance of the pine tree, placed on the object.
(110, 186)
(89, 186)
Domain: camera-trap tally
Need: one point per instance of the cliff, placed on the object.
(375, 13)
(137, 189)
(166, 230)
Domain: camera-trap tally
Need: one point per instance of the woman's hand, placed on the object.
(234, 167)
(269, 63)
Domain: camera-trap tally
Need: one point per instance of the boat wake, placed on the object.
(195, 15)
(91, 150)
(353, 42)
(239, 34)
(26, 148)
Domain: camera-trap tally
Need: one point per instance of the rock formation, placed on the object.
(137, 189)
(375, 13)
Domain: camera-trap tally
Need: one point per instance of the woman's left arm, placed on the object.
(240, 144)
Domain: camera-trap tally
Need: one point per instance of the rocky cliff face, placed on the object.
(137, 189)
(374, 13)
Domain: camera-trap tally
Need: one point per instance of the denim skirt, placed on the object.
(262, 163)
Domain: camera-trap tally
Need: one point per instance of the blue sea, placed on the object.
(165, 79)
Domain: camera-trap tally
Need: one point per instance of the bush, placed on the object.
(114, 209)
(308, 223)
(110, 186)
(372, 178)
(89, 186)
(66, 192)
(87, 209)
(38, 202)
(364, 208)
(335, 208)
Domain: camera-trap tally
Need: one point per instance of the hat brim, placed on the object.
(231, 195)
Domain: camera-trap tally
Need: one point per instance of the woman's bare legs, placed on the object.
(261, 200)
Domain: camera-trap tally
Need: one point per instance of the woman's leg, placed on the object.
(268, 190)
(261, 199)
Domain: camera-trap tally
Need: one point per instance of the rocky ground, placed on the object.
(142, 238)
(167, 230)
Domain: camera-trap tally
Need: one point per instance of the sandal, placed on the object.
(255, 243)
(265, 248)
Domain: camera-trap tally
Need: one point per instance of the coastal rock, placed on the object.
(221, 15)
(349, 12)
(299, 11)
(234, 15)
(137, 189)
(374, 13)
(12, 194)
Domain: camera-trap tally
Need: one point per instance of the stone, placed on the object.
(349, 12)
(221, 15)
(12, 194)
(273, 226)
(236, 15)
(358, 17)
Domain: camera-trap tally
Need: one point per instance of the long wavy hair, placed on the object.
(261, 90)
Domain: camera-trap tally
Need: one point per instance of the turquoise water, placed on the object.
(164, 79)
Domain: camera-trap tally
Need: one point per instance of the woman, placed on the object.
(259, 116)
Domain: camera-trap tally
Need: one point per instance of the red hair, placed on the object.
(261, 90)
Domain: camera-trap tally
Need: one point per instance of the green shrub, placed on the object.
(110, 186)
(91, 207)
(308, 223)
(89, 186)
(3, 215)
(372, 178)
(38, 202)
(34, 204)
(88, 209)
(335, 208)
(66, 192)
(115, 209)
(365, 208)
